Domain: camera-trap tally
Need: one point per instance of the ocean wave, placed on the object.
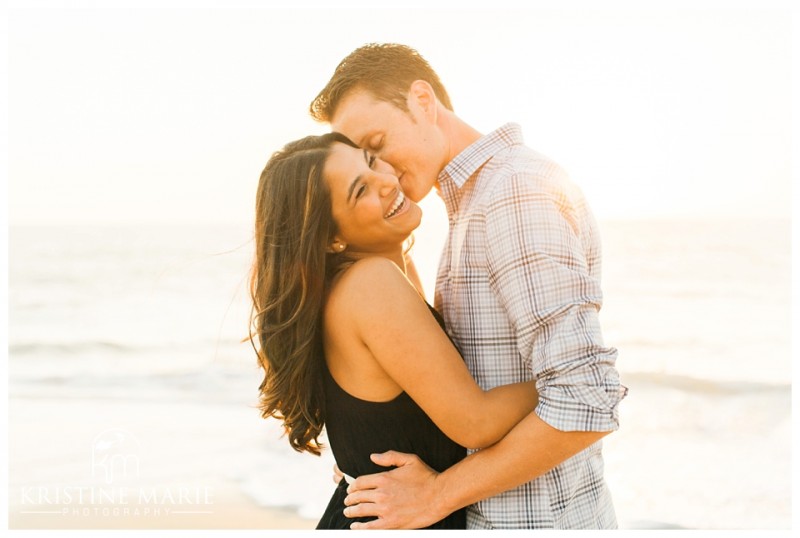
(18, 349)
(220, 384)
(69, 348)
(702, 385)
(220, 376)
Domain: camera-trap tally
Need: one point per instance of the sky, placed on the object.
(168, 115)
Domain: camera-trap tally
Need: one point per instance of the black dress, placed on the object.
(357, 428)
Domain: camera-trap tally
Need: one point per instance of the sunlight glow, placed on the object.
(168, 115)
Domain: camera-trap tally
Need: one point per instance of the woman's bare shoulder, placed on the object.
(375, 270)
(370, 279)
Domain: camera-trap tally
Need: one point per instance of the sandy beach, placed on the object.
(234, 512)
(178, 475)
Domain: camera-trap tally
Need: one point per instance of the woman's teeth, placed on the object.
(398, 203)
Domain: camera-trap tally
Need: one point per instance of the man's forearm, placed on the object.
(529, 450)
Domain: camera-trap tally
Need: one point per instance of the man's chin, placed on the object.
(415, 193)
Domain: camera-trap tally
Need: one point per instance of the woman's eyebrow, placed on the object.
(353, 187)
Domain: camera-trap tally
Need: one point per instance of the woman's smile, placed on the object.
(398, 206)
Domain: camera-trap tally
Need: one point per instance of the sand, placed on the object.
(233, 512)
(225, 506)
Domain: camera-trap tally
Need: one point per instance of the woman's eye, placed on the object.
(361, 190)
(372, 160)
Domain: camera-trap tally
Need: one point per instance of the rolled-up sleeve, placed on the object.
(541, 266)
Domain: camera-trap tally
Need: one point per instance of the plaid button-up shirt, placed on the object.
(519, 289)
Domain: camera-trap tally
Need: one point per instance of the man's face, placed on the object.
(409, 141)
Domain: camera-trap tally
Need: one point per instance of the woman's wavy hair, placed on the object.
(293, 266)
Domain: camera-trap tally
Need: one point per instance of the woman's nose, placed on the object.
(388, 184)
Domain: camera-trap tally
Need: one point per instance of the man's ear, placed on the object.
(425, 98)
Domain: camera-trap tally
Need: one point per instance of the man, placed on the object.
(518, 287)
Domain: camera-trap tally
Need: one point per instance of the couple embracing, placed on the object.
(486, 411)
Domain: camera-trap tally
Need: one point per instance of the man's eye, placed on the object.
(372, 159)
(376, 143)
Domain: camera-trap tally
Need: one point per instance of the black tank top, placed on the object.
(357, 428)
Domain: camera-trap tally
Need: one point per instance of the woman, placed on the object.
(345, 339)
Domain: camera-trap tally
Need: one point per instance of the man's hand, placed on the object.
(403, 498)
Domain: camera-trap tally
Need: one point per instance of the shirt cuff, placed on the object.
(582, 407)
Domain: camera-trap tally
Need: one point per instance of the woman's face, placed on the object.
(370, 210)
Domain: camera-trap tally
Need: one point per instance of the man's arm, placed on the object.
(414, 496)
(541, 270)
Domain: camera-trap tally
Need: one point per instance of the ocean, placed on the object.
(129, 342)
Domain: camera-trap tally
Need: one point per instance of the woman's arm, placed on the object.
(407, 342)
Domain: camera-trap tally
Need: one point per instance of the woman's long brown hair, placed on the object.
(294, 229)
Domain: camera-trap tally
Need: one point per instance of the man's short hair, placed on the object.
(386, 70)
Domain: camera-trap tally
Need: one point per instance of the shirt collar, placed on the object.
(466, 163)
